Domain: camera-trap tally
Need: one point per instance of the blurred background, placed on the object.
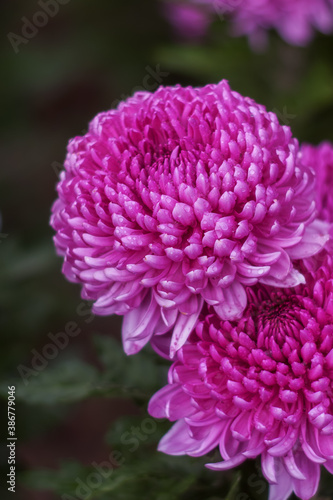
(78, 403)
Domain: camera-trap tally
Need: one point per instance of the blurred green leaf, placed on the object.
(145, 372)
(132, 480)
(67, 381)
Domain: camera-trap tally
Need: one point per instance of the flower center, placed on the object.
(278, 320)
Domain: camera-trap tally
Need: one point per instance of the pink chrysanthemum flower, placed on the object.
(180, 196)
(259, 386)
(321, 159)
(295, 20)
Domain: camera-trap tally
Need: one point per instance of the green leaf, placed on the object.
(67, 381)
(62, 480)
(140, 376)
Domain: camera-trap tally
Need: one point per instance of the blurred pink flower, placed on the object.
(188, 21)
(259, 386)
(179, 196)
(295, 20)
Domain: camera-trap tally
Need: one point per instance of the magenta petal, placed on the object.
(281, 268)
(227, 464)
(213, 295)
(325, 445)
(208, 442)
(157, 406)
(180, 406)
(138, 325)
(170, 402)
(255, 446)
(234, 302)
(230, 447)
(291, 466)
(169, 317)
(284, 486)
(266, 255)
(314, 239)
(183, 327)
(161, 344)
(284, 444)
(241, 426)
(293, 279)
(268, 467)
(306, 488)
(309, 443)
(178, 440)
(202, 419)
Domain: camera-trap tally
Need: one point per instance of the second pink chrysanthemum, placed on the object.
(261, 386)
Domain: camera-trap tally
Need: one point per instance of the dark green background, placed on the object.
(85, 59)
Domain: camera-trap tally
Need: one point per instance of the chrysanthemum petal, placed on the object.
(307, 487)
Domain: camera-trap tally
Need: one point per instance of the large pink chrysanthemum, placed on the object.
(259, 386)
(180, 196)
(295, 20)
(320, 158)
